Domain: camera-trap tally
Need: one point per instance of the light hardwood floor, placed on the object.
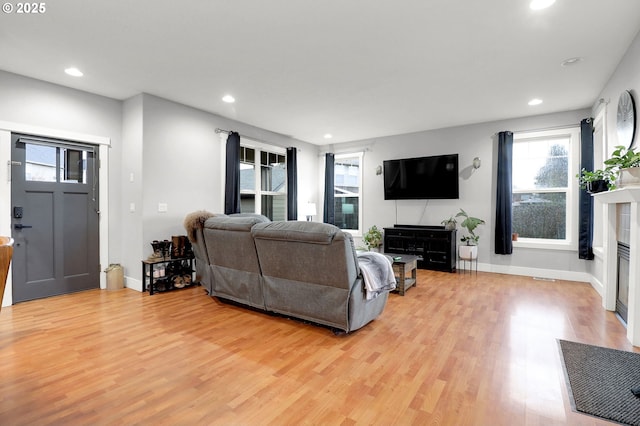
(456, 350)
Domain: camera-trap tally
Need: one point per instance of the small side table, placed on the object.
(402, 267)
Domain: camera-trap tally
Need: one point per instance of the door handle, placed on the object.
(21, 226)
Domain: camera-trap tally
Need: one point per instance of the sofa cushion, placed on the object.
(308, 232)
(233, 262)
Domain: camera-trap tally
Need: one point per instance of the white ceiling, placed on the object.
(357, 69)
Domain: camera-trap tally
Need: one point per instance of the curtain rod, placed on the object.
(219, 130)
(566, 126)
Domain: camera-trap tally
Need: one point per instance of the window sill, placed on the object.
(353, 232)
(544, 244)
(598, 252)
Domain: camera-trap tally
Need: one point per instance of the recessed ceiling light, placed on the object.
(534, 102)
(74, 72)
(571, 61)
(540, 4)
(328, 136)
(228, 99)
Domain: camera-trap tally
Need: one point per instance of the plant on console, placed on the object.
(470, 223)
(373, 238)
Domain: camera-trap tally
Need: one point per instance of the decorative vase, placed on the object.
(468, 252)
(597, 186)
(629, 177)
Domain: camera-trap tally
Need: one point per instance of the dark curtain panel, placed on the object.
(503, 198)
(232, 178)
(292, 183)
(585, 202)
(329, 206)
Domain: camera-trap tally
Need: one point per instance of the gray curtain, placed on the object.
(292, 183)
(585, 201)
(503, 241)
(232, 175)
(329, 205)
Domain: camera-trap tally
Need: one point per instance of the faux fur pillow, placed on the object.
(194, 221)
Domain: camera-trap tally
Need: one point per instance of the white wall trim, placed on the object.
(555, 274)
(597, 285)
(6, 128)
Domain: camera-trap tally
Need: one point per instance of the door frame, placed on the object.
(103, 142)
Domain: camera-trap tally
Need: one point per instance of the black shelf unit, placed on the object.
(435, 246)
(166, 281)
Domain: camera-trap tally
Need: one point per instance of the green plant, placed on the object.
(450, 223)
(373, 238)
(623, 158)
(585, 177)
(471, 223)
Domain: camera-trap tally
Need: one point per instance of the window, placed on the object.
(544, 191)
(347, 190)
(263, 177)
(42, 161)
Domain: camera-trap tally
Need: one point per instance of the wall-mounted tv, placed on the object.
(433, 177)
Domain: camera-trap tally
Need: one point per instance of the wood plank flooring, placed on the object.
(456, 350)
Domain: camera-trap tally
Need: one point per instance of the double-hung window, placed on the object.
(263, 181)
(348, 192)
(544, 209)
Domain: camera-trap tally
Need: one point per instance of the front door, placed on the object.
(54, 197)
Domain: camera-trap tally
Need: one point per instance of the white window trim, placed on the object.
(571, 242)
(360, 156)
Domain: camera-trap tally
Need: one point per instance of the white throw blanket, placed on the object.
(377, 273)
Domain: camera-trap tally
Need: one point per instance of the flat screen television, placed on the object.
(427, 178)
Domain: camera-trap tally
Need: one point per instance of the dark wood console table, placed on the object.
(434, 246)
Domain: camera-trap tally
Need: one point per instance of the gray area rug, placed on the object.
(600, 381)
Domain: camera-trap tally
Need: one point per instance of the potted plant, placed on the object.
(625, 162)
(597, 180)
(469, 251)
(373, 238)
(450, 223)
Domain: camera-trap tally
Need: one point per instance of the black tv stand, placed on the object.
(435, 246)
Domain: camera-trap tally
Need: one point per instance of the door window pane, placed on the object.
(40, 163)
(73, 165)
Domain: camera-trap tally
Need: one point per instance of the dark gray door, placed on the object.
(54, 197)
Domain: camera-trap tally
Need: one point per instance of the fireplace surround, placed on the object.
(609, 203)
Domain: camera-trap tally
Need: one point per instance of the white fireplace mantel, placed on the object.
(610, 245)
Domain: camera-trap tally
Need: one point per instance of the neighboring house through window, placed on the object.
(348, 191)
(263, 177)
(544, 189)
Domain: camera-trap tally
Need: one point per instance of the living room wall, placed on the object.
(181, 167)
(477, 189)
(160, 152)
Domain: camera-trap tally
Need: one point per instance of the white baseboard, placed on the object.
(555, 274)
(133, 283)
(597, 285)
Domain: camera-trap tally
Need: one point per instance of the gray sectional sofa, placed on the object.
(306, 270)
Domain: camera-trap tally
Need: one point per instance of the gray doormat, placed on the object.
(600, 381)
